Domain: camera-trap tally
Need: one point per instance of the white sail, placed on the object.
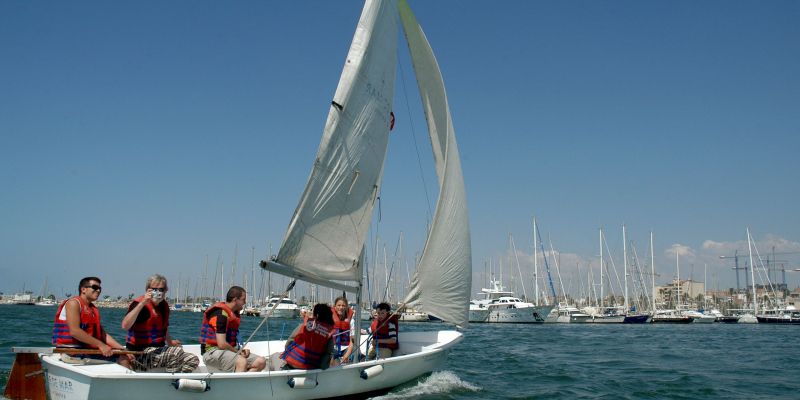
(329, 226)
(441, 283)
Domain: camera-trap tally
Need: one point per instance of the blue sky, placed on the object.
(142, 137)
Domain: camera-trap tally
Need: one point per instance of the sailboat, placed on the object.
(325, 240)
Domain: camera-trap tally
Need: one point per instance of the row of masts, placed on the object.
(637, 284)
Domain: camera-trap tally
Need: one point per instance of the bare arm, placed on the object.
(130, 317)
(74, 323)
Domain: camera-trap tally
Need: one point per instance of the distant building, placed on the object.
(667, 295)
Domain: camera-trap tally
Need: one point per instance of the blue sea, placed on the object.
(553, 361)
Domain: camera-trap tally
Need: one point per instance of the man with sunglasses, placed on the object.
(77, 324)
(147, 323)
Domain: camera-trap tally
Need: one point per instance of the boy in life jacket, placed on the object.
(384, 331)
(219, 336)
(77, 324)
(310, 346)
(343, 345)
(147, 323)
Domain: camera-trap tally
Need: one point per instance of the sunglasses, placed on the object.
(97, 288)
(158, 289)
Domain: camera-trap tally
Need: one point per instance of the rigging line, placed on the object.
(414, 137)
(268, 314)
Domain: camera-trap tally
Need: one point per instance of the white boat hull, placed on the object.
(706, 319)
(606, 319)
(420, 353)
(414, 317)
(524, 315)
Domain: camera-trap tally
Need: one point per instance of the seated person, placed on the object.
(343, 344)
(220, 335)
(77, 325)
(384, 331)
(310, 345)
(147, 323)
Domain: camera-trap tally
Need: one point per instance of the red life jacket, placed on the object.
(208, 333)
(386, 331)
(342, 332)
(89, 322)
(308, 346)
(153, 332)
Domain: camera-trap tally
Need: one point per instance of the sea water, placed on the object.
(544, 361)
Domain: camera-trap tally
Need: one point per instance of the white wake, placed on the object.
(438, 383)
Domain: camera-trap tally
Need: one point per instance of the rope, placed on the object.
(269, 313)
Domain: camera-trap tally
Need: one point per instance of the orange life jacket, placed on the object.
(308, 346)
(386, 331)
(208, 333)
(89, 322)
(342, 332)
(153, 332)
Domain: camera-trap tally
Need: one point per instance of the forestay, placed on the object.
(441, 283)
(326, 234)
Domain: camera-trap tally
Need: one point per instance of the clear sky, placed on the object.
(145, 136)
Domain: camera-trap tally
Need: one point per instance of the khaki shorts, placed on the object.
(225, 360)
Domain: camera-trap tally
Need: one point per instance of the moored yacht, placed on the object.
(286, 308)
(781, 315)
(699, 317)
(671, 317)
(604, 315)
(567, 314)
(500, 306)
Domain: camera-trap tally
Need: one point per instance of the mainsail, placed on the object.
(327, 232)
(441, 283)
(325, 238)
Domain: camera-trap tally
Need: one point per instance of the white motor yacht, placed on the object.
(286, 308)
(567, 314)
(500, 306)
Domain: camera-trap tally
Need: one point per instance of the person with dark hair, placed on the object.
(219, 337)
(77, 324)
(384, 330)
(147, 323)
(342, 315)
(310, 345)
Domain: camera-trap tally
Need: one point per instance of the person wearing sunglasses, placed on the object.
(147, 323)
(77, 324)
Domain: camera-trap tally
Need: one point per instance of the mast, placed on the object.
(558, 271)
(625, 266)
(546, 264)
(678, 271)
(653, 271)
(535, 265)
(601, 268)
(519, 270)
(752, 275)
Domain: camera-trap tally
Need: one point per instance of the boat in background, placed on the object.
(671, 317)
(23, 299)
(47, 302)
(781, 315)
(604, 315)
(567, 314)
(500, 306)
(698, 317)
(286, 308)
(414, 316)
(722, 318)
